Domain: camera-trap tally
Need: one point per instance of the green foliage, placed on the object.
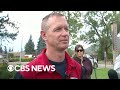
(110, 55)
(26, 59)
(29, 47)
(116, 19)
(1, 50)
(10, 55)
(4, 73)
(5, 51)
(10, 50)
(22, 59)
(40, 45)
(6, 34)
(70, 52)
(100, 54)
(75, 24)
(99, 24)
(14, 59)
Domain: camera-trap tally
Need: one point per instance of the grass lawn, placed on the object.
(100, 73)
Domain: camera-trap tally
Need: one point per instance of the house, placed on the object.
(18, 54)
(1, 56)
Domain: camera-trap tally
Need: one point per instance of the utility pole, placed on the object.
(21, 48)
(115, 41)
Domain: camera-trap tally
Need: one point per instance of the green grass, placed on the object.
(100, 73)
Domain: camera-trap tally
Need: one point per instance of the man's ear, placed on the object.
(43, 35)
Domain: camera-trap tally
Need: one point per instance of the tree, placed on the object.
(70, 52)
(5, 51)
(7, 34)
(75, 24)
(10, 55)
(1, 51)
(40, 45)
(99, 24)
(10, 50)
(29, 47)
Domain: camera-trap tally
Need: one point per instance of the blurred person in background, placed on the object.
(84, 61)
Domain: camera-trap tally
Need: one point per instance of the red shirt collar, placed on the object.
(43, 60)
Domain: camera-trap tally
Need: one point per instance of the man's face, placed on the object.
(57, 35)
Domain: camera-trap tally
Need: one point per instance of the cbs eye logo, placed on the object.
(10, 68)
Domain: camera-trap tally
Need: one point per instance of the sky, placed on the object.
(29, 23)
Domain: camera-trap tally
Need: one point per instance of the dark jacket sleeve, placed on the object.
(18, 76)
(88, 66)
(83, 76)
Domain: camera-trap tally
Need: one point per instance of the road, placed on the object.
(103, 66)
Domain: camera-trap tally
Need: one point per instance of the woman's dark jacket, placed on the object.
(87, 66)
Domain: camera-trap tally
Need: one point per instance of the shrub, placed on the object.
(4, 73)
(22, 59)
(14, 59)
(26, 59)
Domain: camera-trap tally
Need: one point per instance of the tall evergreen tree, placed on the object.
(1, 51)
(29, 47)
(5, 51)
(40, 45)
(10, 49)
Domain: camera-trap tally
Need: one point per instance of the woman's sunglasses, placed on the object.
(79, 50)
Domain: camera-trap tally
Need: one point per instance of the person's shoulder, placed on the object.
(18, 76)
(33, 62)
(75, 58)
(85, 58)
(27, 71)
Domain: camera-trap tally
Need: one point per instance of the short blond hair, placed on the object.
(44, 25)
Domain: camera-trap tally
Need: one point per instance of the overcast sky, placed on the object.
(29, 23)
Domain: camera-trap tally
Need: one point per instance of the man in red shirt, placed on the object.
(55, 32)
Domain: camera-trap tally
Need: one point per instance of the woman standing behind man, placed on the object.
(84, 61)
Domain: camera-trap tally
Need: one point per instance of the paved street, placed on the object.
(103, 66)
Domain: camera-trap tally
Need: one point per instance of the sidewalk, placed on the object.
(110, 66)
(15, 63)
